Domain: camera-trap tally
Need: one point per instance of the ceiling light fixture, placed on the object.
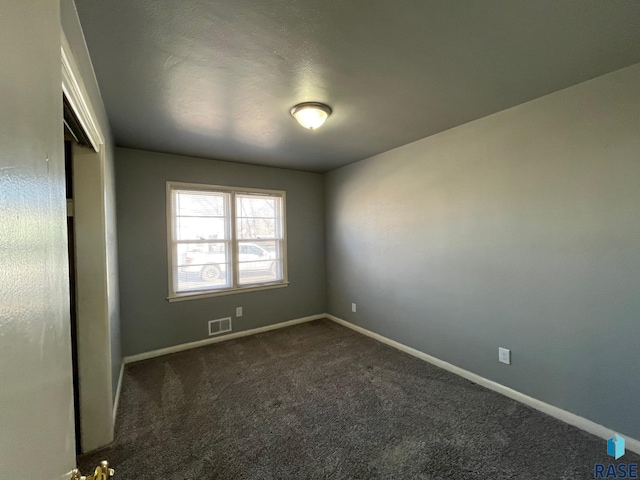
(311, 115)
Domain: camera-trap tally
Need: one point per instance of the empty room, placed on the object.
(285, 239)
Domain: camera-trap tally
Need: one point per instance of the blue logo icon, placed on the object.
(615, 446)
(615, 449)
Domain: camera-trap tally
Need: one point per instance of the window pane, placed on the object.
(259, 262)
(203, 266)
(207, 254)
(255, 273)
(257, 228)
(258, 216)
(248, 205)
(259, 250)
(202, 228)
(201, 204)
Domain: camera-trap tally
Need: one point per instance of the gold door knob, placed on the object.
(102, 472)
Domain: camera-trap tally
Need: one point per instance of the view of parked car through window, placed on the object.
(257, 263)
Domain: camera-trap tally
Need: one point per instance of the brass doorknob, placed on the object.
(102, 472)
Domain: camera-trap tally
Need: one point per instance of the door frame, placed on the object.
(92, 268)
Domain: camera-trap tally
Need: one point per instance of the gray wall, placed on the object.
(519, 230)
(149, 321)
(36, 418)
(73, 31)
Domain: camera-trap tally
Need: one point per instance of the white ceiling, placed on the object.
(216, 79)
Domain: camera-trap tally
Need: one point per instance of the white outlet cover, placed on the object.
(353, 307)
(504, 355)
(238, 311)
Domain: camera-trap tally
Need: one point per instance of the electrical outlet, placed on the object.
(353, 307)
(238, 311)
(504, 355)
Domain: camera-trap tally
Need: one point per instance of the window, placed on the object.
(224, 240)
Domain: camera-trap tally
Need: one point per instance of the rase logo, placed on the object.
(615, 449)
(615, 446)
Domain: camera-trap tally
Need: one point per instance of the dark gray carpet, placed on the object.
(318, 400)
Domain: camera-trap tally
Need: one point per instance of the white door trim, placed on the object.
(93, 338)
(76, 93)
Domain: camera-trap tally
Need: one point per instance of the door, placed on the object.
(36, 394)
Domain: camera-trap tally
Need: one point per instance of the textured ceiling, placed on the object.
(216, 79)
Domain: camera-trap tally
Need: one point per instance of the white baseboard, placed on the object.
(223, 338)
(118, 390)
(567, 417)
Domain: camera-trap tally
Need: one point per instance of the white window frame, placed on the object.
(235, 286)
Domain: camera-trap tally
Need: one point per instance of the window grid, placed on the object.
(239, 271)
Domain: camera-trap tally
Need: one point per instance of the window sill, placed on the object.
(254, 288)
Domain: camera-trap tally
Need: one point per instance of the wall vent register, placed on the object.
(219, 326)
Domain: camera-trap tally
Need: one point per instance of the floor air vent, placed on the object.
(216, 327)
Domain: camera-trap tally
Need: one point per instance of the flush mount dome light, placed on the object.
(311, 115)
